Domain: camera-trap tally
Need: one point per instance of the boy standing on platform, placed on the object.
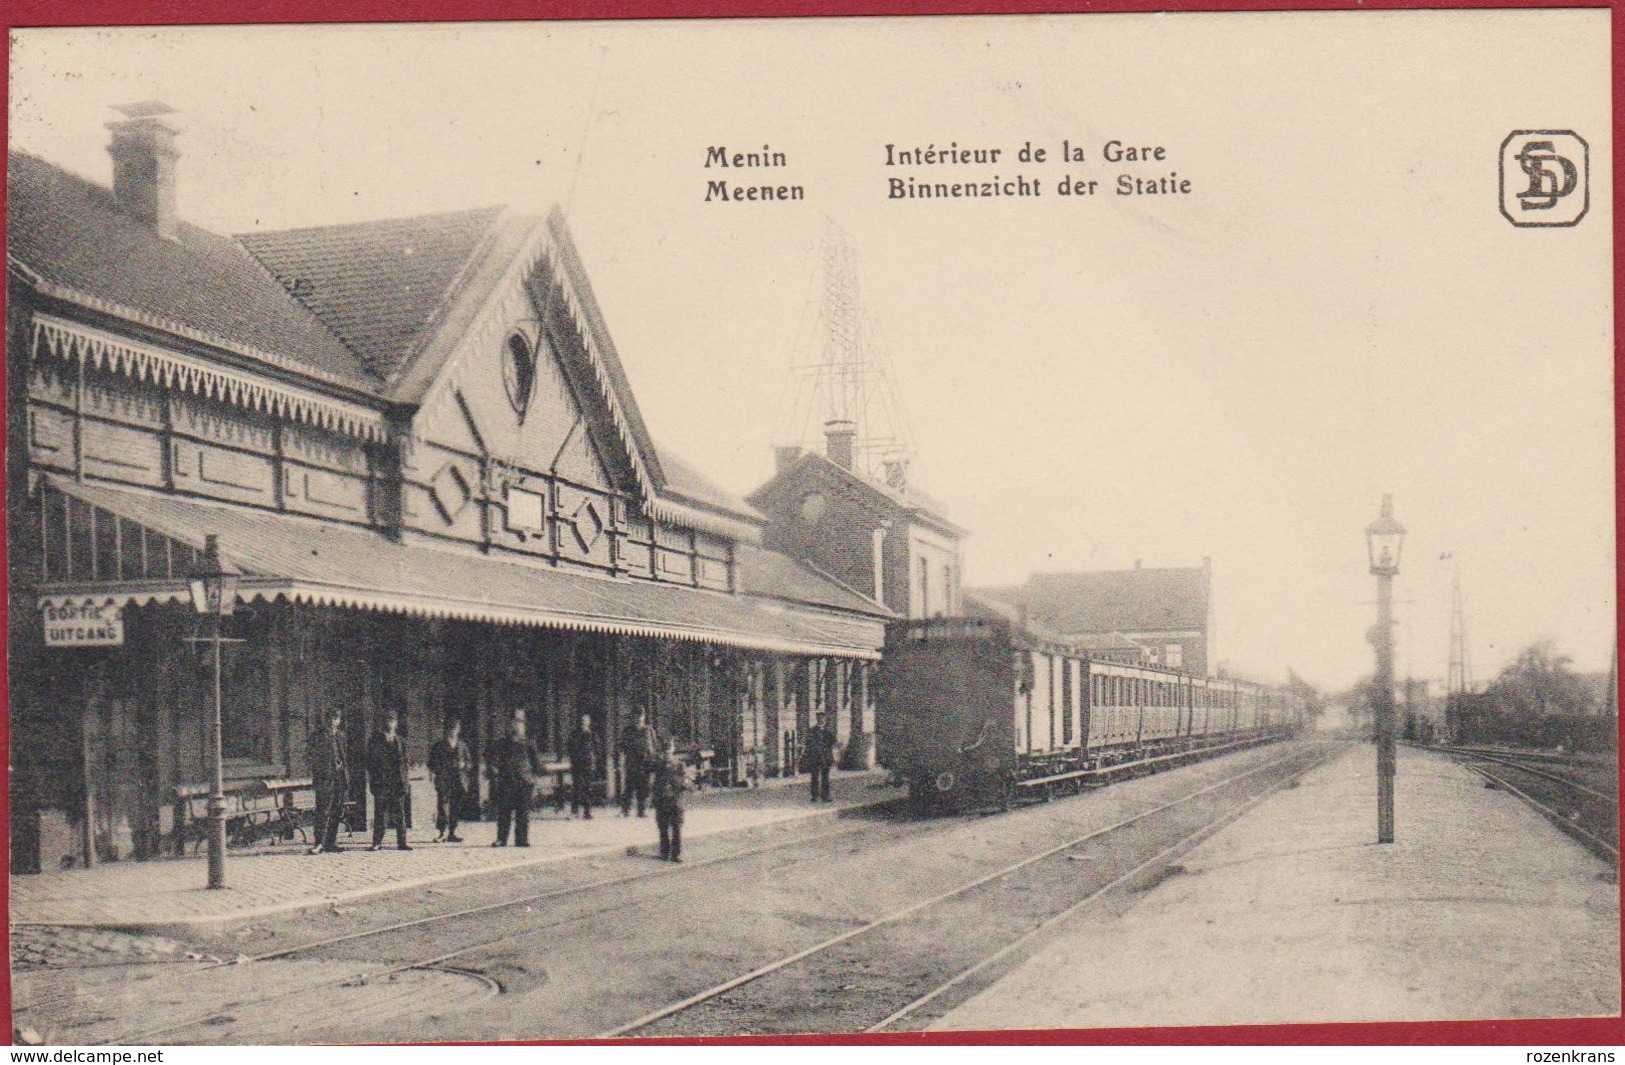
(670, 784)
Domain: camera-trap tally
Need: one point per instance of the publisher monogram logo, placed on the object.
(1545, 177)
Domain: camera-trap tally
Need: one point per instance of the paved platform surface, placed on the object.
(1480, 909)
(169, 894)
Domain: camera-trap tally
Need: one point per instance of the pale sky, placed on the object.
(1336, 310)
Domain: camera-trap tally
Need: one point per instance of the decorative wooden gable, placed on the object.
(519, 443)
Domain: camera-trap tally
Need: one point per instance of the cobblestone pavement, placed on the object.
(42, 946)
(170, 894)
(1295, 914)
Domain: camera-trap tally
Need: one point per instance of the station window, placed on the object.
(1173, 656)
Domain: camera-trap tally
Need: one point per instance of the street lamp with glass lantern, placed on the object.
(214, 595)
(1385, 538)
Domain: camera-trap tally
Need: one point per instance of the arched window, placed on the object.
(519, 372)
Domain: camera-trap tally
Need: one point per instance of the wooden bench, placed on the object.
(709, 772)
(557, 794)
(255, 809)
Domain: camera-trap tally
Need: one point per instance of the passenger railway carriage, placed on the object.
(980, 710)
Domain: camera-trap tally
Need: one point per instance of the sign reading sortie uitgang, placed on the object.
(83, 625)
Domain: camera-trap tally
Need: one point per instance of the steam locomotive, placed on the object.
(975, 710)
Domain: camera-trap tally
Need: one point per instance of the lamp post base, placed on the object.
(1386, 756)
(217, 841)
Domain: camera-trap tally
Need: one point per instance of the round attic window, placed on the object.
(519, 372)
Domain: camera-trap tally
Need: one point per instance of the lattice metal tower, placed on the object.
(840, 372)
(1459, 681)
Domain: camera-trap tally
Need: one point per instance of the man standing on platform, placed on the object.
(386, 778)
(331, 773)
(639, 756)
(820, 757)
(583, 764)
(671, 782)
(449, 767)
(513, 766)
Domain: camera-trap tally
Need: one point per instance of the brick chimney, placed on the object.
(143, 150)
(838, 435)
(785, 457)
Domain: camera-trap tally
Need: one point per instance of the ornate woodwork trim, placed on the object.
(70, 341)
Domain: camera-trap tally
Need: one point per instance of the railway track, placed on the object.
(1581, 798)
(450, 961)
(472, 915)
(872, 961)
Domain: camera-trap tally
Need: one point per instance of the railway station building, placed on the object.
(1168, 612)
(886, 540)
(420, 454)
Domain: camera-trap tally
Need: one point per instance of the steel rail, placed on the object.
(1178, 847)
(315, 945)
(310, 947)
(1565, 781)
(1537, 756)
(555, 893)
(1550, 814)
(764, 970)
(552, 893)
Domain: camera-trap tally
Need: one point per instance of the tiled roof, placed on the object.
(910, 499)
(1003, 604)
(778, 576)
(353, 305)
(312, 561)
(1122, 601)
(687, 483)
(375, 284)
(70, 234)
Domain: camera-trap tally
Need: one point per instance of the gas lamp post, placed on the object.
(1385, 537)
(214, 594)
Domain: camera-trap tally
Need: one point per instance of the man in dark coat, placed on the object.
(639, 756)
(513, 766)
(331, 773)
(820, 757)
(583, 765)
(449, 767)
(386, 779)
(670, 784)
